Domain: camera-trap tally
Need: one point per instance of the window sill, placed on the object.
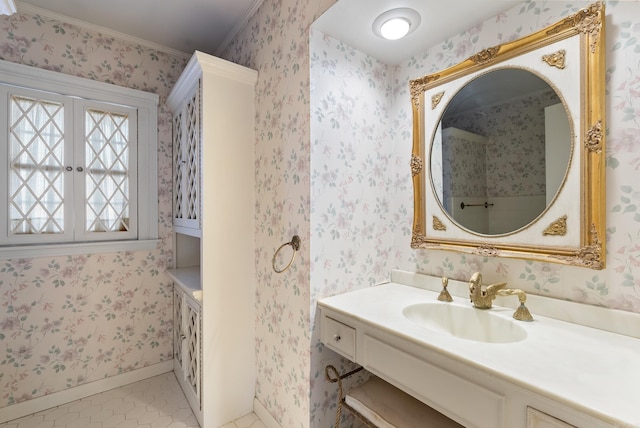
(56, 250)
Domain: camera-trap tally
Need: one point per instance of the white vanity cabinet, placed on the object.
(213, 181)
(408, 368)
(561, 375)
(471, 397)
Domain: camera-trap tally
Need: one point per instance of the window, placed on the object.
(78, 153)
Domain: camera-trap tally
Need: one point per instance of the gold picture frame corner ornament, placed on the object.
(556, 59)
(557, 228)
(438, 224)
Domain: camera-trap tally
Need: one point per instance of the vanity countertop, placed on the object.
(595, 371)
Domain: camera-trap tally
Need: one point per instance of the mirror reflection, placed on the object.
(501, 151)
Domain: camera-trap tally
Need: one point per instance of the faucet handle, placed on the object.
(522, 296)
(495, 288)
(522, 312)
(444, 295)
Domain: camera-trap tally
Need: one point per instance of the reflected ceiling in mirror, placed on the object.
(552, 212)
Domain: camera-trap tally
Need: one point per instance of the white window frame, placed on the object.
(146, 105)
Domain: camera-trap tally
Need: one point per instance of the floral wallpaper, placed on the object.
(464, 165)
(69, 320)
(351, 97)
(346, 192)
(332, 165)
(276, 43)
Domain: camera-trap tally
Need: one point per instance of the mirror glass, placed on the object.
(501, 151)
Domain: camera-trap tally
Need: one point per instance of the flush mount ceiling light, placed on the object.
(7, 7)
(394, 24)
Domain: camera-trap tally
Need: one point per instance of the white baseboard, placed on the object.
(39, 404)
(264, 415)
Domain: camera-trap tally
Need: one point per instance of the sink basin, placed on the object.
(465, 322)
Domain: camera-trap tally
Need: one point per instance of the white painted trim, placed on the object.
(240, 24)
(146, 104)
(51, 250)
(26, 7)
(62, 397)
(66, 84)
(226, 69)
(200, 63)
(264, 415)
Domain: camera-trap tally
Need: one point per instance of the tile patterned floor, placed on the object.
(157, 402)
(247, 421)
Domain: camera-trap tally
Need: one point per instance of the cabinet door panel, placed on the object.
(177, 326)
(186, 162)
(192, 348)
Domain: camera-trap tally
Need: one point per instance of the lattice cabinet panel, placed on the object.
(187, 346)
(191, 351)
(177, 326)
(186, 163)
(177, 166)
(192, 157)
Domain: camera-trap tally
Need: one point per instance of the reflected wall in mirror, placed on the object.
(508, 154)
(492, 167)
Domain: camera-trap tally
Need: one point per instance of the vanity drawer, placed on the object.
(338, 337)
(466, 402)
(538, 419)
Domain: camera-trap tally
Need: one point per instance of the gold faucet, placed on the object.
(483, 298)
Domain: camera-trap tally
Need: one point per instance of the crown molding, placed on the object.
(239, 26)
(29, 8)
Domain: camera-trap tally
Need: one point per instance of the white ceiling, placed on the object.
(351, 22)
(183, 25)
(209, 25)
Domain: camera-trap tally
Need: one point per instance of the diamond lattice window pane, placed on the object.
(36, 176)
(107, 171)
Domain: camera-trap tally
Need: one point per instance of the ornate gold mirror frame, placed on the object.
(569, 231)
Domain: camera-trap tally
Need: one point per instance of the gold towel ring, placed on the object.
(295, 244)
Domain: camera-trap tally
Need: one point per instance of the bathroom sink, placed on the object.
(465, 322)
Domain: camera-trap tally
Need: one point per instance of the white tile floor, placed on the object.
(152, 403)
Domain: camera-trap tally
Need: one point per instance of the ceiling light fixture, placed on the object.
(7, 7)
(395, 24)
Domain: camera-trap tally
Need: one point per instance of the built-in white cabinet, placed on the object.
(186, 161)
(213, 219)
(187, 347)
